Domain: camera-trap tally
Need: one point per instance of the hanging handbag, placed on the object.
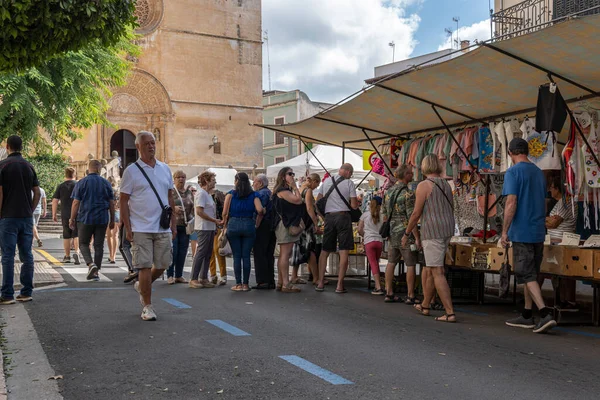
(225, 251)
(386, 228)
(166, 210)
(222, 240)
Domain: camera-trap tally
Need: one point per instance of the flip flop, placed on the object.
(319, 289)
(344, 290)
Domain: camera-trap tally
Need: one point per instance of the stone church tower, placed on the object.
(198, 81)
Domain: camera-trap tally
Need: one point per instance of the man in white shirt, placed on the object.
(141, 213)
(338, 223)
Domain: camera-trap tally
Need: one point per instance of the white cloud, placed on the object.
(328, 48)
(478, 31)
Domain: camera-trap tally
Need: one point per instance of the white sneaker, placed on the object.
(136, 286)
(148, 313)
(223, 281)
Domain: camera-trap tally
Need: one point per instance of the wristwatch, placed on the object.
(407, 234)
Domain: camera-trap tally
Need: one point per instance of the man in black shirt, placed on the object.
(63, 194)
(17, 181)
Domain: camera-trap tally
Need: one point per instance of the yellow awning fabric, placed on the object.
(481, 85)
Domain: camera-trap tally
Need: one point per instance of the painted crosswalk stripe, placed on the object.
(227, 328)
(316, 370)
(80, 275)
(176, 303)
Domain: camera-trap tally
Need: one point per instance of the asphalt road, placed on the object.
(354, 345)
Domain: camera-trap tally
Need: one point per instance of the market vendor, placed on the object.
(562, 219)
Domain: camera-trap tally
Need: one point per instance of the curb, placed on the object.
(3, 391)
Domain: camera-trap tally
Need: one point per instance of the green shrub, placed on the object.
(50, 169)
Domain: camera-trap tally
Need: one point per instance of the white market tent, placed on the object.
(330, 156)
(225, 178)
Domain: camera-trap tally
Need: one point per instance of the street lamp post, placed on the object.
(393, 46)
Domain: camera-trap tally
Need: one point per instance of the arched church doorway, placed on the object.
(123, 141)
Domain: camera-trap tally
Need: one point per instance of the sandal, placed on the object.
(446, 318)
(422, 310)
(299, 281)
(319, 289)
(437, 306)
(290, 288)
(343, 290)
(378, 292)
(390, 298)
(261, 286)
(411, 301)
(237, 288)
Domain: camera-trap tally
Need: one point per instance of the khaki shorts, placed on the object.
(396, 254)
(435, 251)
(148, 249)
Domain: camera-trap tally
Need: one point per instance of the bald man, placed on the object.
(338, 223)
(92, 211)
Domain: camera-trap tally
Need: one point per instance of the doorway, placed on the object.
(123, 141)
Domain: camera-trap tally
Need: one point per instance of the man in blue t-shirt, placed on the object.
(524, 226)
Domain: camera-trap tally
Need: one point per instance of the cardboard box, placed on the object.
(463, 256)
(480, 255)
(553, 261)
(597, 264)
(497, 255)
(450, 255)
(579, 262)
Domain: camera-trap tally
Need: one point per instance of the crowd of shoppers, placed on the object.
(159, 217)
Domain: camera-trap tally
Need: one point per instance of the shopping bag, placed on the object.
(226, 250)
(505, 268)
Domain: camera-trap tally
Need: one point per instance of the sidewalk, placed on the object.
(44, 273)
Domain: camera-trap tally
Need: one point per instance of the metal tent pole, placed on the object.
(343, 152)
(486, 210)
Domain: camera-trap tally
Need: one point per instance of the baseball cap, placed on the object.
(518, 144)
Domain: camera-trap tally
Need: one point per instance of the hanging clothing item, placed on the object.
(509, 133)
(572, 158)
(486, 151)
(551, 111)
(543, 151)
(592, 170)
(527, 127)
(502, 146)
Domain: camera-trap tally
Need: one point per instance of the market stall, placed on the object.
(466, 110)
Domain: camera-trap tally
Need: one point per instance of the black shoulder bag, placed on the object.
(166, 210)
(355, 214)
(386, 228)
(322, 202)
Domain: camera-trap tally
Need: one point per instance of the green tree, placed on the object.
(34, 31)
(64, 93)
(50, 169)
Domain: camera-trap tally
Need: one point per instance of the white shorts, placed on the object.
(36, 219)
(435, 251)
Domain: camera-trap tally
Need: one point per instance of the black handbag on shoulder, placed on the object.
(355, 214)
(386, 228)
(322, 202)
(166, 210)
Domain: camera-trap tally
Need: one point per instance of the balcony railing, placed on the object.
(532, 15)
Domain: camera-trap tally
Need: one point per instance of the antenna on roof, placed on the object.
(456, 19)
(449, 34)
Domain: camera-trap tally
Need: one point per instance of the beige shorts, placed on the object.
(148, 249)
(435, 251)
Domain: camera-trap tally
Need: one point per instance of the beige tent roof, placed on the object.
(482, 85)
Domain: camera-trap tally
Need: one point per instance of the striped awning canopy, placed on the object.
(494, 80)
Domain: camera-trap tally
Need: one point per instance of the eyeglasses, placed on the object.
(291, 174)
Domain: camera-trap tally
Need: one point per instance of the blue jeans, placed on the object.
(16, 232)
(180, 249)
(241, 234)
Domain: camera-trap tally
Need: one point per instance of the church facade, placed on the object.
(197, 85)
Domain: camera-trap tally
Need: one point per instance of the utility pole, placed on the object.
(393, 46)
(266, 39)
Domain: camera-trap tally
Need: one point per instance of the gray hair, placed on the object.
(140, 135)
(401, 171)
(263, 179)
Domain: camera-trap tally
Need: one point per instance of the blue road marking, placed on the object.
(316, 370)
(464, 310)
(227, 328)
(82, 289)
(582, 333)
(176, 303)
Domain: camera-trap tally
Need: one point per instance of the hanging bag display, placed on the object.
(166, 210)
(551, 111)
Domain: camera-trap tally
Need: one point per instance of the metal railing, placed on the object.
(532, 15)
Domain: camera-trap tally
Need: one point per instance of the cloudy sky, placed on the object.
(327, 48)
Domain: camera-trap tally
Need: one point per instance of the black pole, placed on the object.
(453, 138)
(343, 152)
(319, 161)
(486, 211)
(378, 153)
(577, 125)
(363, 179)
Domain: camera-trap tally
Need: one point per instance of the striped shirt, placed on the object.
(437, 221)
(569, 223)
